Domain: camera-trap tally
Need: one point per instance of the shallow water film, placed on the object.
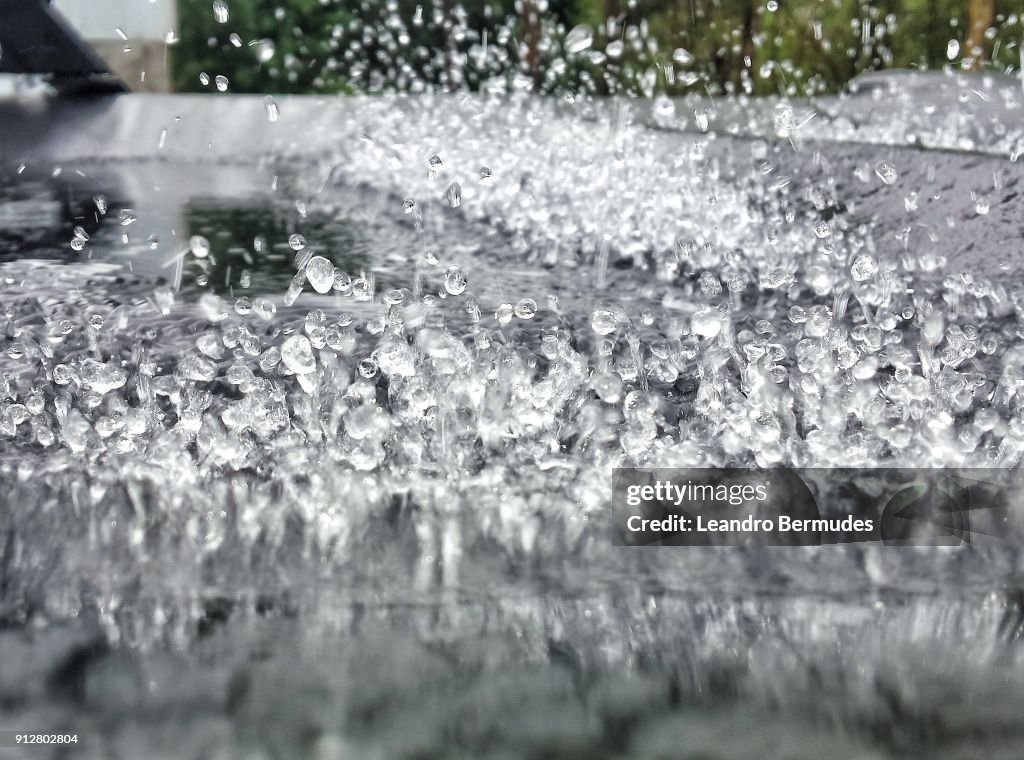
(310, 407)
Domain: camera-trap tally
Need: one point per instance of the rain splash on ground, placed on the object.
(321, 468)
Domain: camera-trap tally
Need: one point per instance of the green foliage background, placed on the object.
(757, 47)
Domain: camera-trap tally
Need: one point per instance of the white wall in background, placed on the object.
(138, 19)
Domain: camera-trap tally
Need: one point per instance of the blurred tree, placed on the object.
(981, 15)
(263, 46)
(637, 47)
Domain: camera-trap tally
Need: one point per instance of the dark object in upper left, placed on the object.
(36, 39)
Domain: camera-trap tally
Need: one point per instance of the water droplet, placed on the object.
(864, 268)
(710, 285)
(797, 315)
(125, 217)
(604, 321)
(823, 230)
(264, 309)
(503, 314)
(265, 50)
(362, 290)
(220, 11)
(485, 174)
(199, 246)
(682, 56)
(96, 321)
(272, 109)
(101, 203)
(342, 282)
(368, 368)
(297, 355)
(455, 281)
(706, 322)
(204, 79)
(291, 295)
(578, 39)
(320, 273)
(886, 172)
(775, 278)
(982, 206)
(197, 368)
(221, 82)
(608, 387)
(952, 49)
(62, 374)
(526, 308)
(453, 195)
(164, 298)
(296, 242)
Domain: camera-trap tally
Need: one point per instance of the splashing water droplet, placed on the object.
(222, 83)
(197, 368)
(982, 206)
(199, 246)
(220, 11)
(320, 273)
(526, 308)
(126, 217)
(682, 56)
(62, 374)
(294, 290)
(864, 268)
(297, 355)
(204, 79)
(604, 321)
(368, 368)
(886, 172)
(265, 50)
(453, 195)
(608, 387)
(455, 281)
(707, 322)
(342, 282)
(578, 39)
(272, 109)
